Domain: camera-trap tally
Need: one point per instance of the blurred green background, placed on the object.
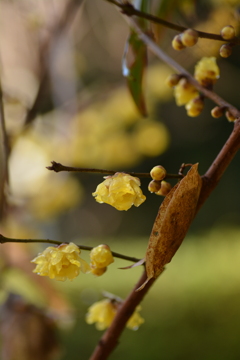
(85, 117)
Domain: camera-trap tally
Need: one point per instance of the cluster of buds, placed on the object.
(227, 33)
(186, 39)
(158, 185)
(189, 38)
(219, 111)
(206, 73)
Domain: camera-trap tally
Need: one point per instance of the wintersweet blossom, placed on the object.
(103, 312)
(61, 262)
(207, 71)
(120, 191)
(184, 92)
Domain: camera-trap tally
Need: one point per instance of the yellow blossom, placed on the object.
(61, 262)
(103, 312)
(120, 191)
(184, 92)
(207, 71)
(101, 256)
(135, 320)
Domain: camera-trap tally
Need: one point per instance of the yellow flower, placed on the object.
(103, 312)
(120, 191)
(101, 256)
(207, 71)
(135, 320)
(61, 262)
(184, 92)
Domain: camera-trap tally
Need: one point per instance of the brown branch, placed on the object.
(57, 167)
(129, 10)
(4, 240)
(109, 340)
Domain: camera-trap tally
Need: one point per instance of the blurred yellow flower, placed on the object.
(207, 71)
(101, 256)
(61, 262)
(103, 312)
(135, 320)
(184, 92)
(120, 191)
(150, 138)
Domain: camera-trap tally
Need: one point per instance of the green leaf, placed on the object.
(135, 61)
(134, 72)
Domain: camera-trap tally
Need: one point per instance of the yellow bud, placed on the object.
(165, 188)
(225, 50)
(154, 186)
(177, 43)
(228, 32)
(189, 37)
(217, 111)
(229, 116)
(194, 107)
(158, 173)
(173, 79)
(101, 256)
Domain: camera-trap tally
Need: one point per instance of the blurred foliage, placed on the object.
(86, 117)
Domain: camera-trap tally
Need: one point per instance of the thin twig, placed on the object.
(4, 240)
(57, 167)
(129, 10)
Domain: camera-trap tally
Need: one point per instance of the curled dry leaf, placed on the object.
(171, 225)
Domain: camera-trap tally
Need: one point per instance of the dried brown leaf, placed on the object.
(173, 220)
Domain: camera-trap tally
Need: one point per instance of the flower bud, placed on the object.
(101, 256)
(189, 37)
(217, 111)
(173, 79)
(177, 43)
(229, 116)
(194, 107)
(165, 188)
(154, 186)
(228, 32)
(225, 50)
(158, 173)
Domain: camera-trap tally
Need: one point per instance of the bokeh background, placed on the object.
(65, 99)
